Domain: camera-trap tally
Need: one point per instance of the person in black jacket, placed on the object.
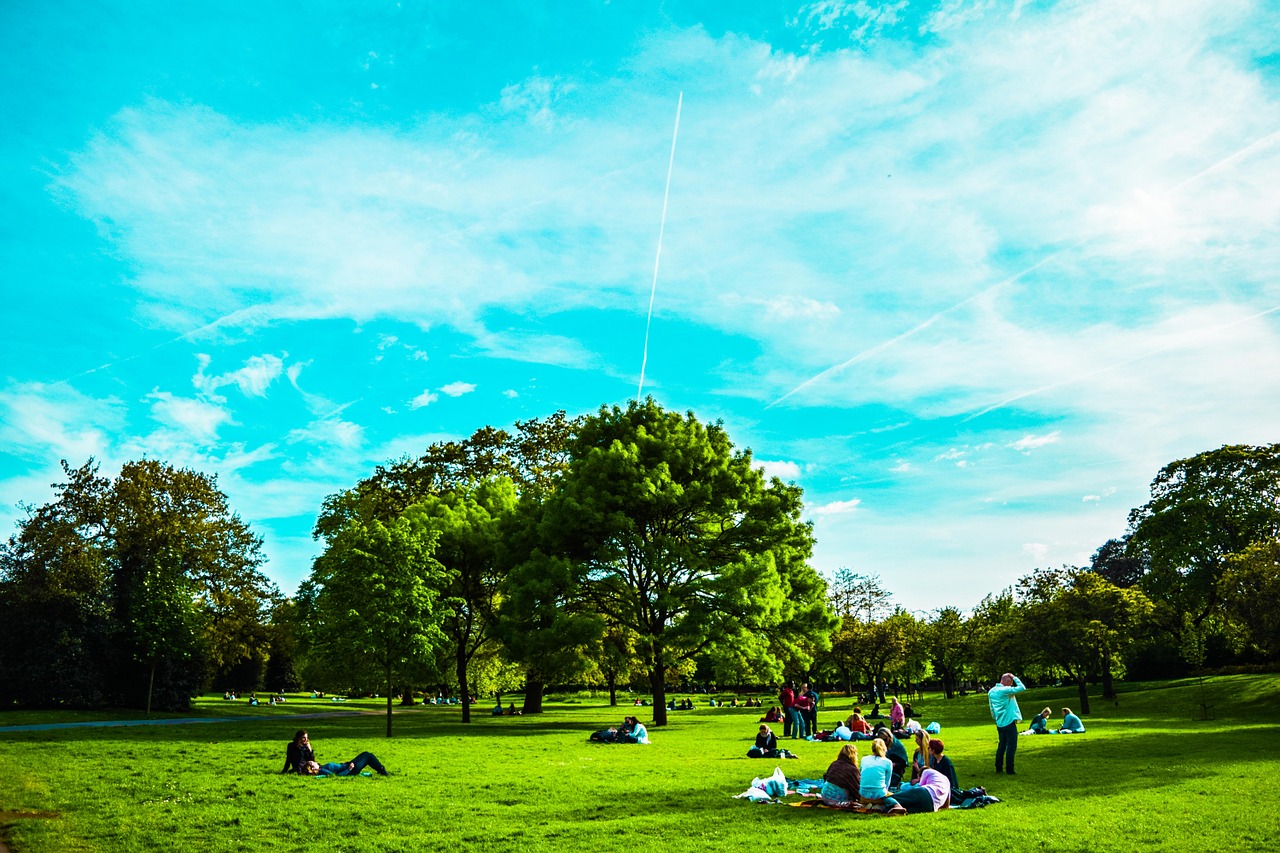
(766, 744)
(299, 756)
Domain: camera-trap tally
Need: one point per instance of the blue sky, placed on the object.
(968, 272)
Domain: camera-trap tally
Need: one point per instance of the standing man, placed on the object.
(788, 699)
(1004, 710)
(811, 719)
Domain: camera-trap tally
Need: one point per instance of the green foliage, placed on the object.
(1202, 511)
(1081, 623)
(145, 582)
(1250, 589)
(377, 600)
(466, 524)
(676, 537)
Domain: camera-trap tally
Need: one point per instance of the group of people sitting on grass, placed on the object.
(1071, 724)
(682, 705)
(300, 758)
(631, 731)
(876, 782)
(510, 711)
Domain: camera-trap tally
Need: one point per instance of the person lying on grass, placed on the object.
(301, 759)
(842, 781)
(933, 793)
(347, 768)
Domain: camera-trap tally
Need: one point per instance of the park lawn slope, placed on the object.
(1144, 777)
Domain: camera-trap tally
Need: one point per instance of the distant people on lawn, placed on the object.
(811, 714)
(773, 715)
(1005, 712)
(897, 714)
(631, 731)
(1071, 724)
(842, 781)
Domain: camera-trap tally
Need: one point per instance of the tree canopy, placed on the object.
(677, 537)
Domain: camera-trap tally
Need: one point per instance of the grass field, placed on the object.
(1145, 777)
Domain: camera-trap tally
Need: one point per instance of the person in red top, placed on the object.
(788, 699)
(800, 708)
(856, 723)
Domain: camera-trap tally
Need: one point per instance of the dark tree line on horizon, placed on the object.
(634, 547)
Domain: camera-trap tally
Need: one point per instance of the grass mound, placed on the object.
(1146, 776)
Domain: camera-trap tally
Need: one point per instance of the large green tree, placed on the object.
(1081, 623)
(1250, 590)
(949, 645)
(379, 594)
(676, 536)
(1203, 510)
(149, 576)
(466, 522)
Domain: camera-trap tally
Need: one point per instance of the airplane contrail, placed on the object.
(662, 227)
(221, 321)
(1090, 374)
(1230, 159)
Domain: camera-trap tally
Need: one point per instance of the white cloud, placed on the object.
(457, 389)
(57, 421)
(1032, 442)
(783, 470)
(510, 393)
(836, 507)
(426, 398)
(194, 419)
(1036, 551)
(330, 431)
(252, 379)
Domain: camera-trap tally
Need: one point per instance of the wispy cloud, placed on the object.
(426, 398)
(836, 507)
(457, 389)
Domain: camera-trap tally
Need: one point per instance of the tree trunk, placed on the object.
(1082, 687)
(658, 682)
(460, 667)
(151, 686)
(532, 695)
(388, 700)
(613, 692)
(1108, 683)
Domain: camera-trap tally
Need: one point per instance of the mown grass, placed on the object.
(1145, 777)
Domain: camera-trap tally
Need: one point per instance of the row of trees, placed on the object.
(635, 541)
(635, 545)
(130, 591)
(1192, 583)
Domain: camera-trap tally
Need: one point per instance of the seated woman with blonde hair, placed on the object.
(875, 774)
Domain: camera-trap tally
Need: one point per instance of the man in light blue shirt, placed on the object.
(1004, 710)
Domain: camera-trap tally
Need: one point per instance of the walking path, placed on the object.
(182, 721)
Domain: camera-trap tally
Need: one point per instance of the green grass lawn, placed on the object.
(1145, 777)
